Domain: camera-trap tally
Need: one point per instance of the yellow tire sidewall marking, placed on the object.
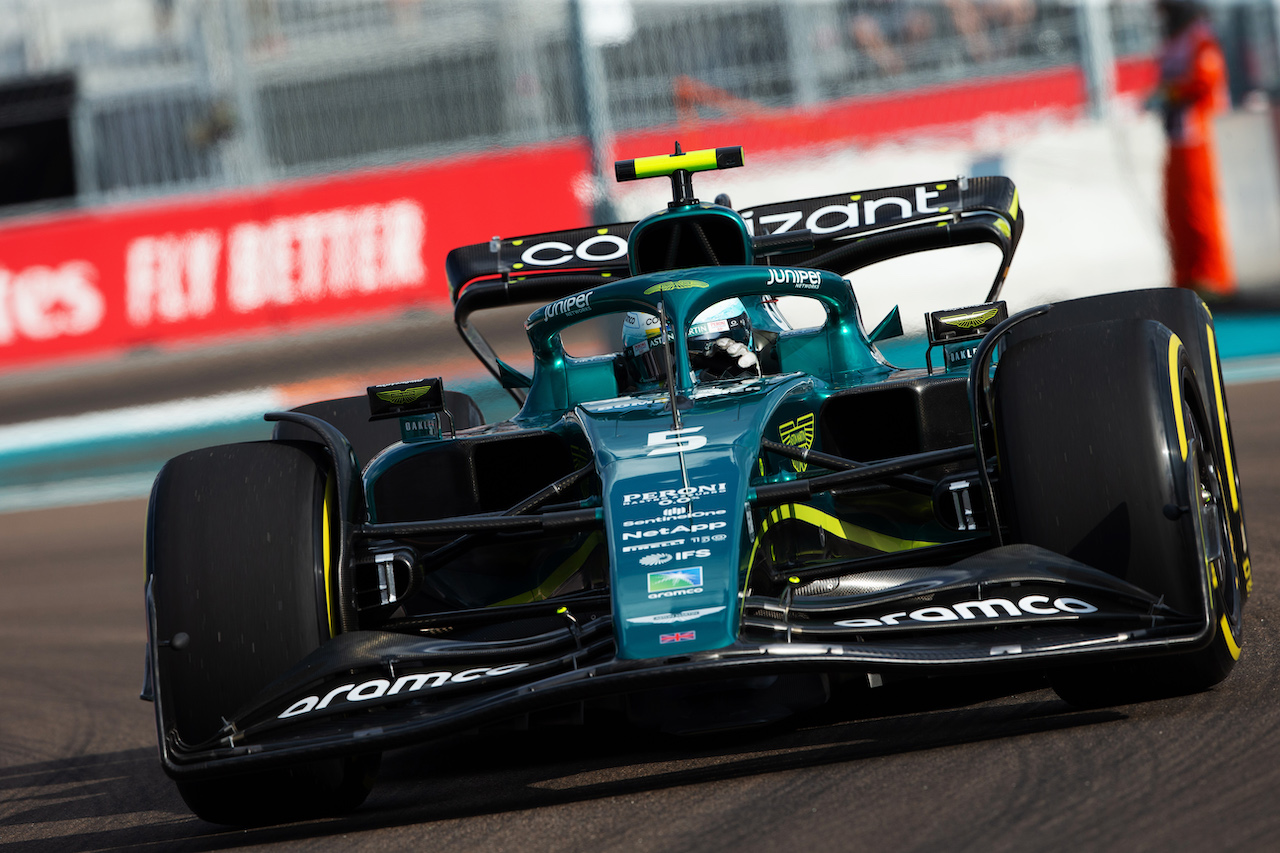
(1222, 419)
(326, 552)
(1175, 386)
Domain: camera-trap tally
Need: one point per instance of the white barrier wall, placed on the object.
(1091, 191)
(1251, 184)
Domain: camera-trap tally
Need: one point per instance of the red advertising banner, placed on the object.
(202, 267)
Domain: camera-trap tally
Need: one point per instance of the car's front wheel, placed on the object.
(1104, 456)
(240, 543)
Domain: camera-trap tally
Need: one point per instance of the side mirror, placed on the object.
(512, 378)
(889, 327)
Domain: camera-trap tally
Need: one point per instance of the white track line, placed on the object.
(139, 422)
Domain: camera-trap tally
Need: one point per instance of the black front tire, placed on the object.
(1101, 436)
(239, 549)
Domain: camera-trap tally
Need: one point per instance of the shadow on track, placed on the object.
(489, 774)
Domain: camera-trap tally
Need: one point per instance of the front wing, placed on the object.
(1016, 607)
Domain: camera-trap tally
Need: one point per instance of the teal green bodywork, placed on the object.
(677, 505)
(680, 465)
(701, 213)
(677, 521)
(680, 531)
(837, 352)
(691, 601)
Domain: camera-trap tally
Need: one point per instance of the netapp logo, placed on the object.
(672, 531)
(991, 608)
(376, 688)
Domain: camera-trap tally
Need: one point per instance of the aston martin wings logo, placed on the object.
(682, 284)
(962, 324)
(798, 433)
(970, 320)
(404, 399)
(402, 396)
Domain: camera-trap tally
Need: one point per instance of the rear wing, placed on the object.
(837, 224)
(855, 230)
(840, 233)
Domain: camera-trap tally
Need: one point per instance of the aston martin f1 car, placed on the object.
(714, 521)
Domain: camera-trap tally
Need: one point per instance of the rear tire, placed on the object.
(1091, 422)
(238, 554)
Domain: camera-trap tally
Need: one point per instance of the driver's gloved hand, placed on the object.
(746, 358)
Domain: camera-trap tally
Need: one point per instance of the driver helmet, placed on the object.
(719, 342)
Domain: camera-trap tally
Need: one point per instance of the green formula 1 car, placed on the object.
(734, 506)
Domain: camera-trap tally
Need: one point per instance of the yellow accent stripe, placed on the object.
(751, 561)
(833, 525)
(1222, 419)
(325, 547)
(1013, 208)
(843, 529)
(567, 569)
(1232, 645)
(665, 164)
(1176, 386)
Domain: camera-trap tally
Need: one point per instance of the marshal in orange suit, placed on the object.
(1193, 88)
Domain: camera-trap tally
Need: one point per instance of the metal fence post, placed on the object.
(593, 105)
(247, 161)
(1097, 55)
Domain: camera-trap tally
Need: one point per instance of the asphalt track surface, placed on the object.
(934, 765)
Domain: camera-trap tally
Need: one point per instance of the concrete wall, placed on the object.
(1251, 186)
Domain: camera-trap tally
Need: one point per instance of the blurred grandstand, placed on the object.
(177, 95)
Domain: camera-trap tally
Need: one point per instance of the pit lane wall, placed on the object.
(192, 270)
